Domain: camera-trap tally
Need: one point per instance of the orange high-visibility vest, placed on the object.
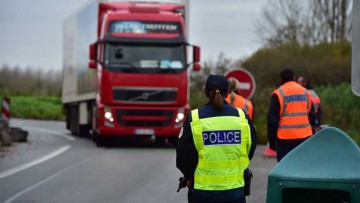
(315, 100)
(242, 103)
(295, 105)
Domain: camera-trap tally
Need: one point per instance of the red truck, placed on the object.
(137, 80)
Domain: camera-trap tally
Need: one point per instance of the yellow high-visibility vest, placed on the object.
(223, 144)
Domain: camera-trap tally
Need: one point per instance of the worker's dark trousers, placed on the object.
(191, 199)
(285, 146)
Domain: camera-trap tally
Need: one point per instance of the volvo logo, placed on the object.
(145, 95)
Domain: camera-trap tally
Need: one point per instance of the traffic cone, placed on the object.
(269, 152)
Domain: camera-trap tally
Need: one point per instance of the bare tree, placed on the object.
(303, 22)
(4, 76)
(282, 21)
(331, 16)
(30, 81)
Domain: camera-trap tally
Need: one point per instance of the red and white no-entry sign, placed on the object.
(5, 109)
(247, 81)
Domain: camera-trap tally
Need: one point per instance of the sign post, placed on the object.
(5, 138)
(5, 109)
(355, 61)
(247, 81)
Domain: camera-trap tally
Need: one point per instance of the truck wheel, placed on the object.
(98, 140)
(73, 116)
(84, 130)
(173, 141)
(160, 140)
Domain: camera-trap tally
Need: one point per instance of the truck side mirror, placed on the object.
(92, 51)
(196, 54)
(196, 67)
(92, 64)
(92, 55)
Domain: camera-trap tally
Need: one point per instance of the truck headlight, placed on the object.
(108, 114)
(180, 115)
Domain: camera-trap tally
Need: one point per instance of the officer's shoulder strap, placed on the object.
(241, 113)
(194, 115)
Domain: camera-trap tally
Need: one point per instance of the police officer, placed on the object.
(236, 100)
(290, 115)
(215, 146)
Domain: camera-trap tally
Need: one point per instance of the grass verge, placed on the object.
(36, 107)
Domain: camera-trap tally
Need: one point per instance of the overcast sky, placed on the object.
(31, 31)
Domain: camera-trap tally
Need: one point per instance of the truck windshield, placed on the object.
(145, 59)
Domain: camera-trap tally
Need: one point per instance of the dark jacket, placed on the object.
(187, 155)
(318, 115)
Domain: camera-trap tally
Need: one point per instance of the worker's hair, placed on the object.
(216, 99)
(306, 82)
(233, 85)
(286, 75)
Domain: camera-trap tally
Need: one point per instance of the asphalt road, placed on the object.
(57, 167)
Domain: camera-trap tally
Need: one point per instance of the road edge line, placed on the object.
(34, 162)
(52, 132)
(14, 197)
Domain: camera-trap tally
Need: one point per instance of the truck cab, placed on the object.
(139, 64)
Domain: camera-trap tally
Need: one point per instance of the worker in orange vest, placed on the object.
(237, 100)
(305, 82)
(291, 115)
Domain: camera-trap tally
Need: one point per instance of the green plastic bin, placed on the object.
(323, 169)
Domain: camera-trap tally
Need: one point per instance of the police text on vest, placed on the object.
(220, 137)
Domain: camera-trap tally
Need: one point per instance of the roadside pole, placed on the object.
(5, 109)
(4, 122)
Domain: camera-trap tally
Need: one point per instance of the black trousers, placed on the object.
(285, 146)
(191, 199)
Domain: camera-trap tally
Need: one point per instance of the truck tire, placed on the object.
(173, 140)
(72, 117)
(72, 122)
(160, 139)
(84, 130)
(99, 140)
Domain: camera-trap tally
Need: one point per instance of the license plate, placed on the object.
(144, 131)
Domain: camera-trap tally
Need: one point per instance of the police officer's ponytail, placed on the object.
(217, 100)
(216, 89)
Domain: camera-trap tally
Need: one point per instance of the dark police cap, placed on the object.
(217, 82)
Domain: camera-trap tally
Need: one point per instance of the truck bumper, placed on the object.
(107, 131)
(137, 121)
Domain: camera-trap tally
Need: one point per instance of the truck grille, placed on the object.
(145, 95)
(144, 118)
